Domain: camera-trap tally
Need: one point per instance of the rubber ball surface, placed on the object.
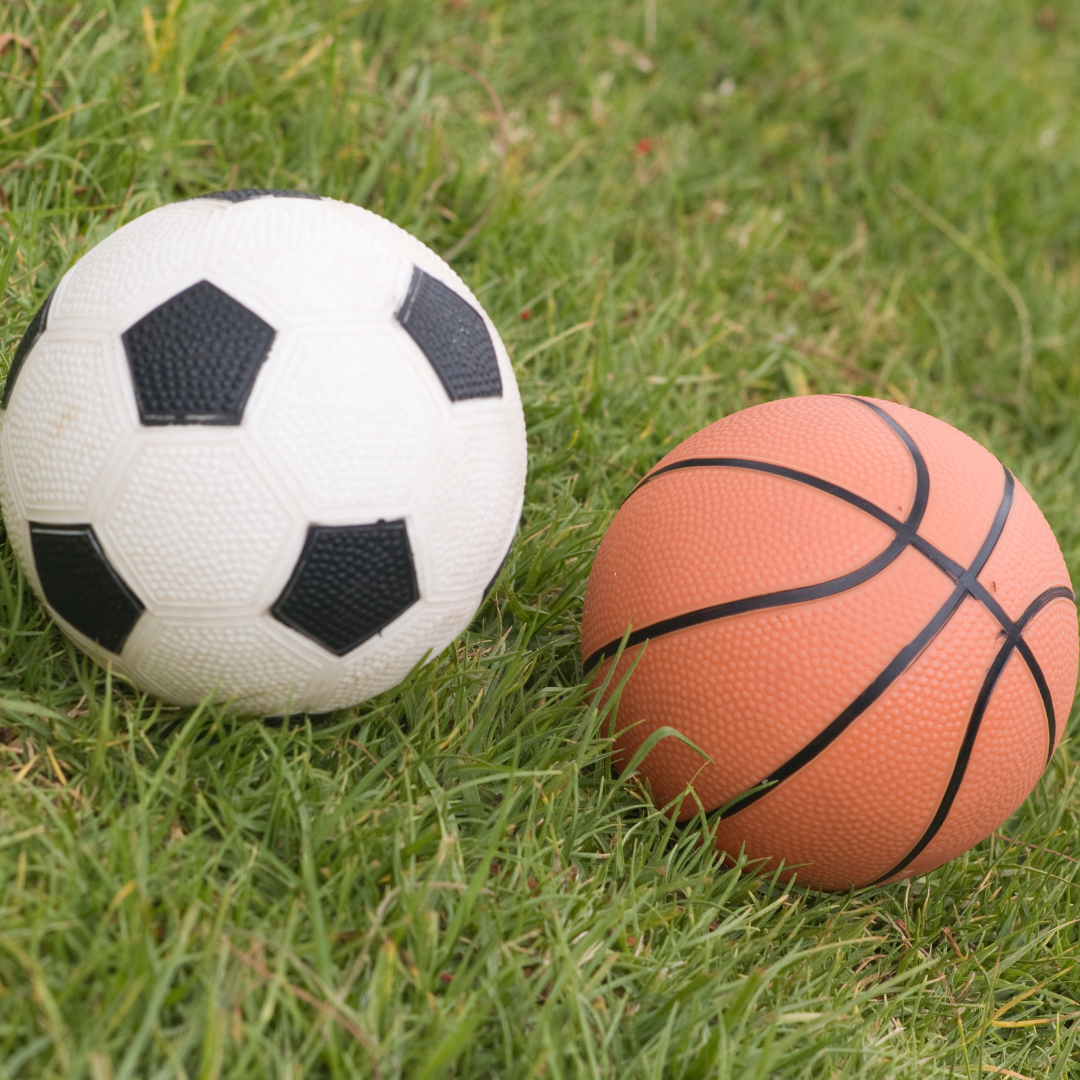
(860, 618)
(263, 447)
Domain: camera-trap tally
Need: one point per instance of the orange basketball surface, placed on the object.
(858, 615)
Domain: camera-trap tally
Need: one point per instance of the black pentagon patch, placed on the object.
(29, 340)
(350, 582)
(81, 585)
(254, 193)
(194, 358)
(452, 335)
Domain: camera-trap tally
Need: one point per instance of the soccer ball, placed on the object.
(263, 446)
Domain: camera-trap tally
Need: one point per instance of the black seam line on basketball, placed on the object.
(979, 591)
(922, 472)
(906, 533)
(905, 529)
(798, 476)
(963, 756)
(896, 667)
(968, 575)
(801, 595)
(1024, 649)
(892, 671)
(984, 596)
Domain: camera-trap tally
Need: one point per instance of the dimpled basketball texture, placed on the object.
(858, 615)
(263, 446)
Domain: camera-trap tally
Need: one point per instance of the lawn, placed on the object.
(672, 209)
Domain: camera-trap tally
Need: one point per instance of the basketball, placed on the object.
(858, 618)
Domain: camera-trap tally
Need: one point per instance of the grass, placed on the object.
(672, 210)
